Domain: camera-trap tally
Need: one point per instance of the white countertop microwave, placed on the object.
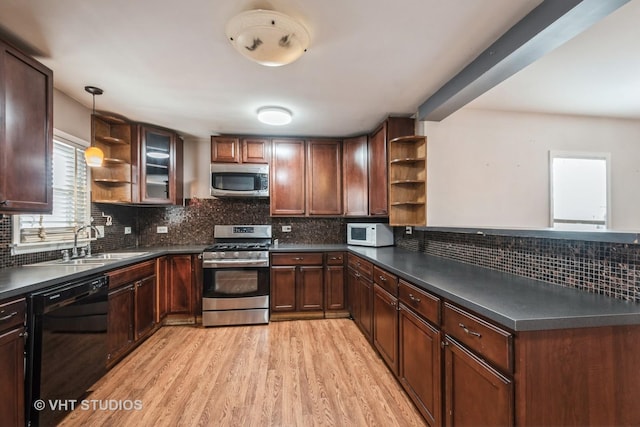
(375, 235)
(239, 180)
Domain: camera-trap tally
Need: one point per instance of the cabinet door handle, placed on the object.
(414, 299)
(392, 303)
(469, 332)
(357, 274)
(8, 316)
(383, 279)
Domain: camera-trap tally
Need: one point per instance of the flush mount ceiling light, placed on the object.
(94, 155)
(267, 37)
(275, 116)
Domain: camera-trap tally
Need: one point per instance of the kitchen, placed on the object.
(489, 235)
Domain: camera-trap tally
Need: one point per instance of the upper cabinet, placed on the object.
(287, 183)
(142, 164)
(392, 127)
(26, 133)
(227, 149)
(114, 181)
(407, 181)
(355, 187)
(306, 177)
(160, 166)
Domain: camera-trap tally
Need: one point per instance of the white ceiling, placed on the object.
(169, 63)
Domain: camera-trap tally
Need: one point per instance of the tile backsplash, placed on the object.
(611, 269)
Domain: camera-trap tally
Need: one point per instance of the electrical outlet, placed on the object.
(100, 231)
(162, 229)
(286, 229)
(127, 230)
(408, 230)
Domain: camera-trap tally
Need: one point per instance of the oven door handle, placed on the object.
(215, 264)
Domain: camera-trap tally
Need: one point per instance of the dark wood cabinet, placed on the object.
(392, 127)
(297, 285)
(26, 133)
(160, 166)
(145, 306)
(324, 177)
(120, 323)
(181, 284)
(419, 367)
(131, 315)
(306, 177)
(385, 326)
(162, 275)
(283, 288)
(287, 186)
(355, 187)
(12, 361)
(475, 393)
(233, 149)
(360, 284)
(334, 285)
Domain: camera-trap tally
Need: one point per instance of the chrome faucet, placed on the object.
(74, 251)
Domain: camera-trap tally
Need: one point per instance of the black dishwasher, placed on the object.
(67, 347)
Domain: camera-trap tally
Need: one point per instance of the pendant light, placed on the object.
(93, 155)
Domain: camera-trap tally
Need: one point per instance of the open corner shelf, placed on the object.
(408, 181)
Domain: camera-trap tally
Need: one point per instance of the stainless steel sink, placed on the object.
(96, 260)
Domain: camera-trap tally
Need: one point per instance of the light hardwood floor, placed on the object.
(296, 373)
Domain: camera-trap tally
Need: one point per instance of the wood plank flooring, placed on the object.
(296, 373)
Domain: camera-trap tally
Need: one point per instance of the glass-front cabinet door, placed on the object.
(157, 166)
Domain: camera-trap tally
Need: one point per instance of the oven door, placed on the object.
(235, 282)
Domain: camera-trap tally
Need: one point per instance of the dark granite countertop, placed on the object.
(514, 302)
(518, 303)
(25, 279)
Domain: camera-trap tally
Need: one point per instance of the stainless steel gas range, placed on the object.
(236, 276)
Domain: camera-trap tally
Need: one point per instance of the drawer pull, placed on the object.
(8, 316)
(414, 299)
(469, 332)
(392, 303)
(357, 274)
(298, 258)
(335, 258)
(3, 202)
(383, 279)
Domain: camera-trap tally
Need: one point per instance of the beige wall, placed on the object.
(70, 116)
(491, 169)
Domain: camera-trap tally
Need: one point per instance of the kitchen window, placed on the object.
(580, 190)
(71, 206)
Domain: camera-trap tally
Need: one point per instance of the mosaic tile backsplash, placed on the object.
(611, 269)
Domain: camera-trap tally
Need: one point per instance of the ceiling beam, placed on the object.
(546, 27)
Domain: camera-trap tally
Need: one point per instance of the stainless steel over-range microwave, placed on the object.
(239, 180)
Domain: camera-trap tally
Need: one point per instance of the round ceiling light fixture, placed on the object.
(275, 116)
(267, 37)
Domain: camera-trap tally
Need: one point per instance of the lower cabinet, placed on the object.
(360, 293)
(475, 393)
(12, 341)
(419, 369)
(297, 285)
(181, 284)
(385, 326)
(131, 316)
(334, 285)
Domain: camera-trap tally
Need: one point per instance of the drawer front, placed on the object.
(365, 268)
(131, 274)
(12, 313)
(299, 258)
(487, 340)
(385, 280)
(335, 258)
(422, 302)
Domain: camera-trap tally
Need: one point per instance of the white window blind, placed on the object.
(71, 206)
